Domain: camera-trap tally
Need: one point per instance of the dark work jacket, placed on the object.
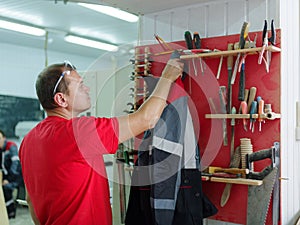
(166, 182)
(10, 164)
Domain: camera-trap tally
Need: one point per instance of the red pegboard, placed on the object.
(202, 89)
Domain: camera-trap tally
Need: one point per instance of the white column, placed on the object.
(290, 148)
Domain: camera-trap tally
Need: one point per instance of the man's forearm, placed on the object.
(150, 111)
(155, 104)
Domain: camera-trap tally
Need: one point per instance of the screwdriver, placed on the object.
(244, 111)
(189, 45)
(261, 106)
(253, 110)
(197, 43)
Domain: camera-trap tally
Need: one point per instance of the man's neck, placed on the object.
(61, 113)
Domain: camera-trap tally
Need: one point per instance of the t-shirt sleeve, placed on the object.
(95, 134)
(108, 131)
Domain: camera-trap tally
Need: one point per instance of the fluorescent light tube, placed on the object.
(111, 11)
(91, 43)
(22, 28)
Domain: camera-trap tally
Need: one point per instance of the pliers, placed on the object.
(265, 41)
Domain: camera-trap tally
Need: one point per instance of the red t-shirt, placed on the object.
(64, 172)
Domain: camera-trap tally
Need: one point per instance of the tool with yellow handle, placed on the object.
(243, 37)
(215, 169)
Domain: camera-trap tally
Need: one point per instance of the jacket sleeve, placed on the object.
(15, 167)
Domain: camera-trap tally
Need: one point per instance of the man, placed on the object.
(11, 169)
(61, 157)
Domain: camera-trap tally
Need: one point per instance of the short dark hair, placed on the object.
(45, 85)
(2, 132)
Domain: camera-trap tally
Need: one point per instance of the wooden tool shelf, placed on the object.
(269, 116)
(243, 181)
(214, 54)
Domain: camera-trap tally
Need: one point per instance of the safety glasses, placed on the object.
(67, 71)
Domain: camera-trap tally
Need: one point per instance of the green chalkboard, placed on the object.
(14, 109)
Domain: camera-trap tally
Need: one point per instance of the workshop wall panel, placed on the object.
(204, 88)
(233, 14)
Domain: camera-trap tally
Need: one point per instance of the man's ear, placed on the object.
(60, 100)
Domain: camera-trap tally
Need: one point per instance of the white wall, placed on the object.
(215, 18)
(20, 66)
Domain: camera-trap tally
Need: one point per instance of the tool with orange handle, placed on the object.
(244, 111)
(261, 105)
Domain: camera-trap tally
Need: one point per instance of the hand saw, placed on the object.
(259, 199)
(265, 191)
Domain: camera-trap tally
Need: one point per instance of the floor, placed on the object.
(22, 217)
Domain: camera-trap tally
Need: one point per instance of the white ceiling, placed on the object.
(62, 17)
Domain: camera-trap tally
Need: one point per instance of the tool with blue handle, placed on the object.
(253, 110)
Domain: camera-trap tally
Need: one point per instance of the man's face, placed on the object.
(79, 99)
(2, 139)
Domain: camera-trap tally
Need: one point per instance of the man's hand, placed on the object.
(173, 69)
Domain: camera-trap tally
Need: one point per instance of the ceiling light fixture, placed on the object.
(111, 11)
(90, 43)
(22, 28)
